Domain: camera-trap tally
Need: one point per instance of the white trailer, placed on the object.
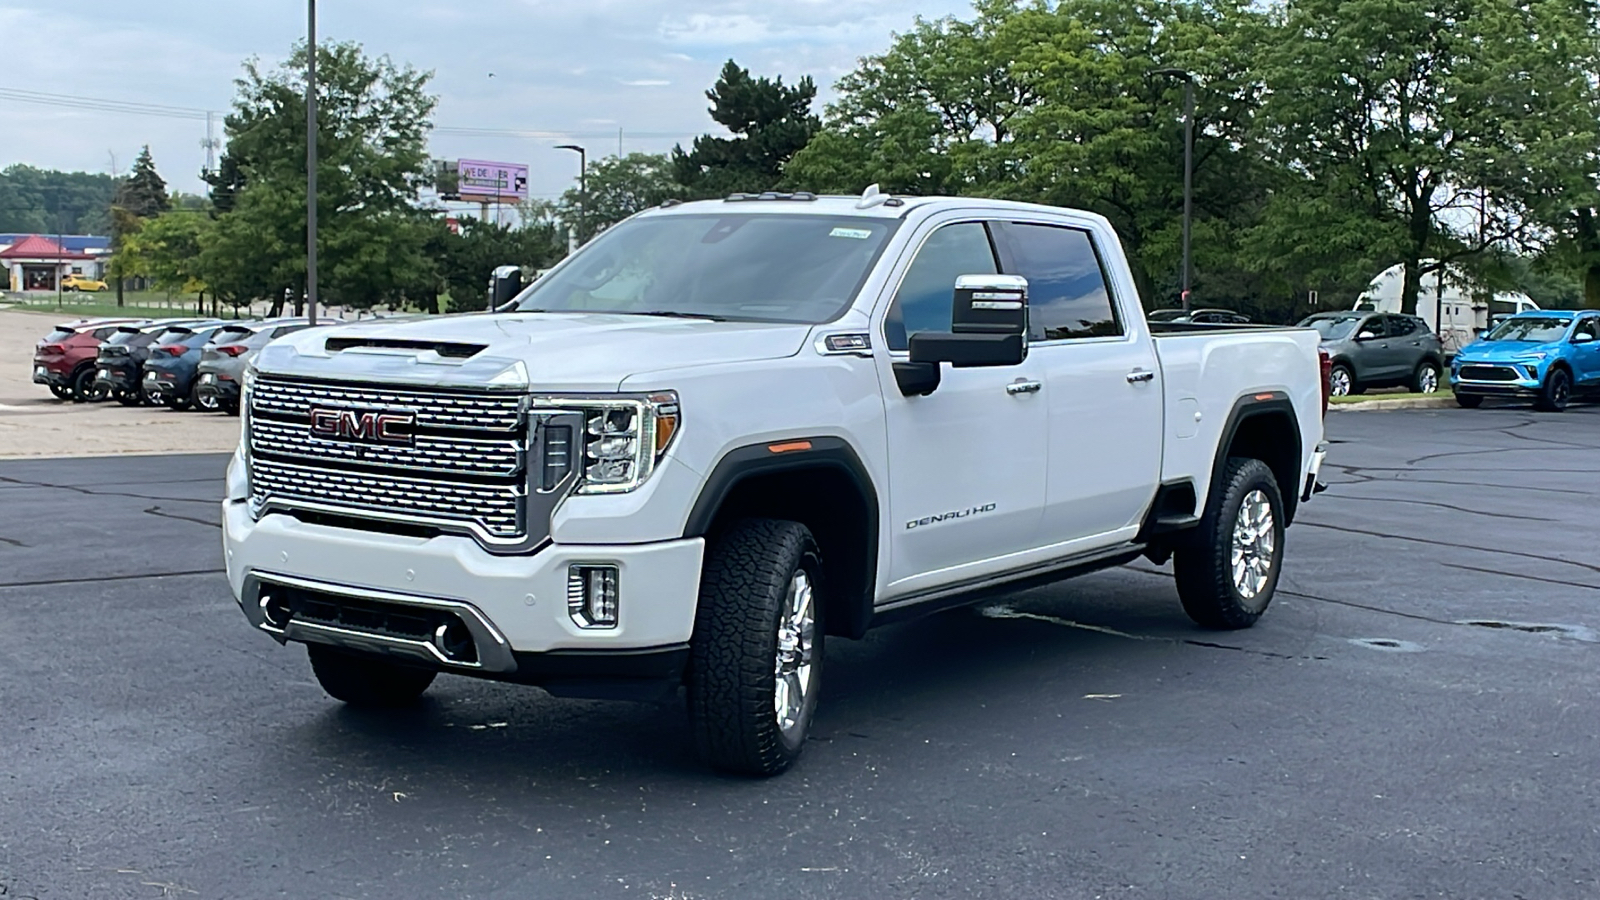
(1448, 300)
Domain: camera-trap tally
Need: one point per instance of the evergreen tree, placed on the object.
(144, 193)
(771, 123)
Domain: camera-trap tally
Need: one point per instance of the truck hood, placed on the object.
(563, 352)
(1503, 351)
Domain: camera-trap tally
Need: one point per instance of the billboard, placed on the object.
(489, 182)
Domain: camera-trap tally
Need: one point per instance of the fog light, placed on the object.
(593, 598)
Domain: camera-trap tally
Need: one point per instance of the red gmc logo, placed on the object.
(363, 426)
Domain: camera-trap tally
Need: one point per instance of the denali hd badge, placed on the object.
(366, 426)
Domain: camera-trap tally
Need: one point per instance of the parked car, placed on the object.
(1549, 356)
(80, 283)
(223, 360)
(1371, 350)
(120, 363)
(63, 360)
(725, 432)
(169, 372)
(1200, 316)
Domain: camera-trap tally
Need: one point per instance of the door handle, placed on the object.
(1018, 388)
(1138, 376)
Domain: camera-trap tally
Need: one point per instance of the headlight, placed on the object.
(1536, 355)
(623, 438)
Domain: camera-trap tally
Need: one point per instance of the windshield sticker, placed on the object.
(859, 234)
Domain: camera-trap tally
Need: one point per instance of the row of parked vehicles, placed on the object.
(178, 363)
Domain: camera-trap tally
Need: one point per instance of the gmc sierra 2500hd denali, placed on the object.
(724, 431)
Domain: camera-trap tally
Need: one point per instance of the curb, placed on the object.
(1444, 402)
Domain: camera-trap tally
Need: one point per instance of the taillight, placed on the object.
(1326, 363)
(174, 350)
(53, 348)
(232, 349)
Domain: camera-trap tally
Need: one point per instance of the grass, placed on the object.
(1390, 395)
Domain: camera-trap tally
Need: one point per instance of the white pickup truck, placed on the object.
(727, 430)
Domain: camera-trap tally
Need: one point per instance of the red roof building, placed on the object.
(35, 262)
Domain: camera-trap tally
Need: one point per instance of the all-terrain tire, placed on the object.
(734, 654)
(365, 681)
(1210, 581)
(1556, 392)
(1469, 401)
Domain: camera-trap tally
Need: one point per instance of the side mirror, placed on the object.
(504, 284)
(988, 327)
(1583, 337)
(1366, 336)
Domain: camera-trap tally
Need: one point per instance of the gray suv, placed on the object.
(221, 371)
(1371, 350)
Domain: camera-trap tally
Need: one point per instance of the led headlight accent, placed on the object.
(623, 438)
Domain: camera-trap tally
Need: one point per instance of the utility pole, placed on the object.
(1188, 167)
(583, 186)
(311, 160)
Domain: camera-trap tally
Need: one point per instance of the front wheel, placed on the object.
(1469, 401)
(365, 681)
(1556, 393)
(1426, 379)
(755, 661)
(1227, 578)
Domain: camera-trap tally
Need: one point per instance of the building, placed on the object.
(33, 262)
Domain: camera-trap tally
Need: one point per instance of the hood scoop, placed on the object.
(446, 349)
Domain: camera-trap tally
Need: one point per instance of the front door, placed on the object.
(1103, 387)
(967, 462)
(1586, 356)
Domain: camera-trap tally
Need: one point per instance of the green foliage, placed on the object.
(372, 122)
(770, 122)
(42, 201)
(166, 249)
(144, 192)
(467, 259)
(618, 187)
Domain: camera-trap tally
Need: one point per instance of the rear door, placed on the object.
(1102, 386)
(1410, 342)
(967, 478)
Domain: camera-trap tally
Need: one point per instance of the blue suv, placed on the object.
(1547, 355)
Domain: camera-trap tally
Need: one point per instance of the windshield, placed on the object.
(750, 268)
(1332, 328)
(1533, 329)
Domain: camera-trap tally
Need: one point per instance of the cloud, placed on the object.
(645, 82)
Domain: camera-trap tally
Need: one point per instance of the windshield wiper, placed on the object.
(674, 314)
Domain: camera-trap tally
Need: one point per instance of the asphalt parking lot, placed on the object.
(1365, 740)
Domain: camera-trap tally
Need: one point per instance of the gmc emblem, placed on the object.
(363, 425)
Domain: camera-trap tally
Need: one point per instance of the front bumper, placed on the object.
(1519, 380)
(514, 606)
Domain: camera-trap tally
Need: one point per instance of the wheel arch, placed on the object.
(1263, 426)
(819, 482)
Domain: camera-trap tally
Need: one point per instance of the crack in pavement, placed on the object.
(158, 511)
(1007, 612)
(1435, 503)
(12, 541)
(1304, 596)
(92, 579)
(1419, 540)
(1519, 575)
(21, 482)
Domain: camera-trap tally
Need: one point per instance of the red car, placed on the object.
(64, 359)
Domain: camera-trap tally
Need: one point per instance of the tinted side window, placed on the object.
(1589, 326)
(1402, 326)
(1373, 325)
(922, 302)
(1067, 292)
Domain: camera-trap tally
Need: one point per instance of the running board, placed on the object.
(978, 589)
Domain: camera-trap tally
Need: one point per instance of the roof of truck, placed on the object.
(869, 204)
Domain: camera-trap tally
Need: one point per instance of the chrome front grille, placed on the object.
(472, 411)
(462, 466)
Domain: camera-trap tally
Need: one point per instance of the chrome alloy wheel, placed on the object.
(1254, 540)
(1339, 382)
(797, 629)
(1429, 382)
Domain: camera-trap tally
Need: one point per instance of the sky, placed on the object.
(585, 68)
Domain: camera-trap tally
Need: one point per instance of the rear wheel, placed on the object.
(179, 402)
(1227, 578)
(755, 661)
(1469, 401)
(128, 398)
(83, 386)
(1426, 379)
(1556, 393)
(365, 681)
(1341, 381)
(203, 401)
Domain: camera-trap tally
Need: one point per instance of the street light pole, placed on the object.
(311, 159)
(583, 185)
(1188, 168)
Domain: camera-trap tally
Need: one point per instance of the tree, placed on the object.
(372, 126)
(44, 201)
(618, 187)
(466, 259)
(1057, 104)
(770, 121)
(167, 250)
(144, 192)
(1404, 125)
